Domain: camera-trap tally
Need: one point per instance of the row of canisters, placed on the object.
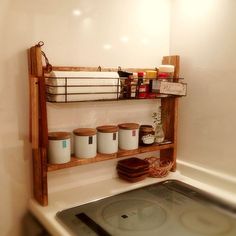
(88, 142)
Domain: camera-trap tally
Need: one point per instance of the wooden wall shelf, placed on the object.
(103, 157)
(39, 122)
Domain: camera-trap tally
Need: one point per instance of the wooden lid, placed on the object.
(58, 135)
(146, 128)
(107, 128)
(129, 126)
(84, 132)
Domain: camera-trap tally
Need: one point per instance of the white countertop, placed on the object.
(76, 196)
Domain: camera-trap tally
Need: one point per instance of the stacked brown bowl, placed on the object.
(133, 169)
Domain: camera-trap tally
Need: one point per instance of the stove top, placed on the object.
(167, 208)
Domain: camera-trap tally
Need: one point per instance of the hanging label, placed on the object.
(173, 88)
(64, 144)
(114, 136)
(133, 132)
(90, 140)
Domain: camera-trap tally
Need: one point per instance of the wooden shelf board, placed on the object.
(102, 157)
(120, 99)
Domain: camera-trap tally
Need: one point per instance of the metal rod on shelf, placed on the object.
(66, 89)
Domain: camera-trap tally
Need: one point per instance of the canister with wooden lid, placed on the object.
(59, 147)
(85, 142)
(107, 142)
(128, 136)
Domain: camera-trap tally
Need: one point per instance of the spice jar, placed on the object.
(157, 83)
(150, 76)
(127, 79)
(107, 136)
(146, 135)
(139, 83)
(128, 136)
(143, 90)
(59, 147)
(85, 142)
(166, 71)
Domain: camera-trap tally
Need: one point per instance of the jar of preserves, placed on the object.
(146, 135)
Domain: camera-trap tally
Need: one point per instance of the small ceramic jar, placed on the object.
(59, 147)
(146, 135)
(128, 136)
(107, 136)
(166, 71)
(85, 142)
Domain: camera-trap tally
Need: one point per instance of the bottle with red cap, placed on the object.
(142, 88)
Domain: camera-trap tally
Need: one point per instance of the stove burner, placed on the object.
(134, 215)
(206, 222)
(168, 208)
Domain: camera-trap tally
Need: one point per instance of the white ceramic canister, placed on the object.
(85, 142)
(128, 136)
(107, 142)
(59, 147)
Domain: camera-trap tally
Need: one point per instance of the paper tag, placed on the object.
(90, 140)
(133, 132)
(173, 88)
(64, 144)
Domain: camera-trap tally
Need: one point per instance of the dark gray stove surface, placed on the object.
(166, 208)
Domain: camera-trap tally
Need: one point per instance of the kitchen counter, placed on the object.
(61, 200)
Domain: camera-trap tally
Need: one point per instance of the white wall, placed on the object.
(204, 33)
(117, 33)
(107, 33)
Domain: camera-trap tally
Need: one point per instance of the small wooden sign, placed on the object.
(173, 88)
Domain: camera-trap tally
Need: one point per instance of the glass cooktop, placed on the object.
(169, 208)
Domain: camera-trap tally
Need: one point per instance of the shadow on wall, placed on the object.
(31, 226)
(17, 192)
(15, 146)
(22, 100)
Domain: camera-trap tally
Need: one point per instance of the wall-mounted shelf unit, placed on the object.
(103, 157)
(63, 89)
(39, 127)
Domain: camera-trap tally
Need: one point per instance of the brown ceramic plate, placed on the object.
(132, 175)
(132, 180)
(131, 171)
(133, 163)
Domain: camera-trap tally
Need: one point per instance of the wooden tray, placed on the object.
(133, 175)
(132, 180)
(133, 163)
(131, 171)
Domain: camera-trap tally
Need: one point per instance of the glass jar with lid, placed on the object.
(146, 135)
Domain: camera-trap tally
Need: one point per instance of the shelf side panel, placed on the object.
(170, 112)
(38, 131)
